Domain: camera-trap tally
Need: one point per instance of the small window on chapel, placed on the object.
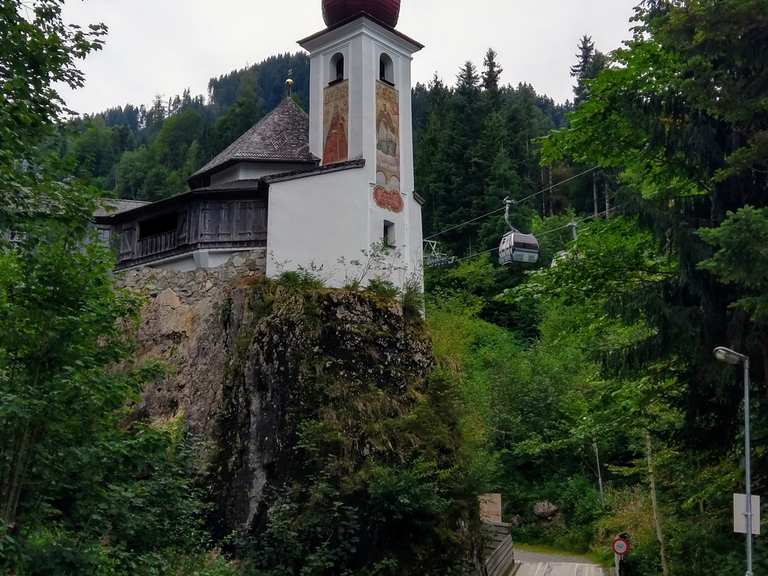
(386, 70)
(389, 240)
(337, 68)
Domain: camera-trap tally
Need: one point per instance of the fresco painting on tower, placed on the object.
(335, 123)
(387, 191)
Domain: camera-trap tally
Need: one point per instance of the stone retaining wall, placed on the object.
(190, 287)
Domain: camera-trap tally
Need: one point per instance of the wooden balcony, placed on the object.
(157, 244)
(204, 224)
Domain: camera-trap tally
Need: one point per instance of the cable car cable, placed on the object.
(548, 188)
(478, 254)
(579, 221)
(545, 233)
(525, 199)
(461, 225)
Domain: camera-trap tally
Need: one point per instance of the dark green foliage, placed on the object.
(268, 79)
(82, 491)
(125, 504)
(579, 502)
(37, 50)
(492, 72)
(619, 353)
(741, 258)
(476, 284)
(590, 62)
(412, 299)
(300, 280)
(384, 289)
(678, 120)
(238, 119)
(60, 336)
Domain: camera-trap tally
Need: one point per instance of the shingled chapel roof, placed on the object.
(281, 136)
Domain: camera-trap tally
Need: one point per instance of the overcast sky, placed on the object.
(164, 46)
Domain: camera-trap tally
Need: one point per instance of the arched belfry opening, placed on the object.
(386, 69)
(337, 68)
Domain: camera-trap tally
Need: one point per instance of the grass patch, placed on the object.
(591, 557)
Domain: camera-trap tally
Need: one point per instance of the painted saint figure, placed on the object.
(336, 146)
(387, 192)
(335, 123)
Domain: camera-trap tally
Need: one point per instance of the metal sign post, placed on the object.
(747, 509)
(621, 548)
(742, 514)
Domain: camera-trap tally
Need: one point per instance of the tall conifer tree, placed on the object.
(492, 72)
(590, 62)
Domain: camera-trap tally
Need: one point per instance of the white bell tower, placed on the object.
(360, 201)
(360, 108)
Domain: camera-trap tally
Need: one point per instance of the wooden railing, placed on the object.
(500, 551)
(156, 244)
(502, 560)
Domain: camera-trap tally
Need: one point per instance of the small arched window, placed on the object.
(337, 68)
(386, 70)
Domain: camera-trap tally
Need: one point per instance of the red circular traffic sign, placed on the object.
(620, 547)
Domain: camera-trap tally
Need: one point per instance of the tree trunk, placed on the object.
(10, 489)
(24, 438)
(607, 201)
(655, 506)
(599, 473)
(764, 348)
(594, 193)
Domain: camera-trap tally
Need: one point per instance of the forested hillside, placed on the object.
(147, 153)
(476, 145)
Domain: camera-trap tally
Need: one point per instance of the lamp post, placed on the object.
(734, 358)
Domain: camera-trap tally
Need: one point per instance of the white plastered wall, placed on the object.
(315, 224)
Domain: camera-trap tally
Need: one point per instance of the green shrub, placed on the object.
(384, 289)
(126, 504)
(300, 280)
(413, 300)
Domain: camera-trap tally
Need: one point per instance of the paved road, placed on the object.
(532, 564)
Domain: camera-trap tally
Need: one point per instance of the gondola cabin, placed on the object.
(518, 247)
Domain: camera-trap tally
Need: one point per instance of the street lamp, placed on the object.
(734, 358)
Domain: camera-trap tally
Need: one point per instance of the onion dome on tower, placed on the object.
(386, 11)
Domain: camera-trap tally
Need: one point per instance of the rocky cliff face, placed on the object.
(249, 360)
